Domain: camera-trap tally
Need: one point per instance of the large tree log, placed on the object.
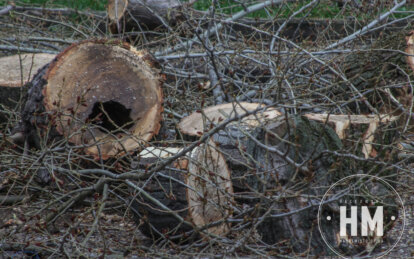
(103, 94)
(126, 14)
(197, 188)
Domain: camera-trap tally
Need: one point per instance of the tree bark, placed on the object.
(90, 96)
(127, 14)
(289, 176)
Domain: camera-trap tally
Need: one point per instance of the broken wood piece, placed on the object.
(202, 194)
(103, 94)
(159, 152)
(342, 122)
(199, 122)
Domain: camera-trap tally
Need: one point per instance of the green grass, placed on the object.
(283, 11)
(325, 9)
(75, 4)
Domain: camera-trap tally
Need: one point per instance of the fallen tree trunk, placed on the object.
(127, 14)
(101, 94)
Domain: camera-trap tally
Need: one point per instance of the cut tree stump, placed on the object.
(281, 167)
(16, 71)
(127, 14)
(103, 94)
(197, 188)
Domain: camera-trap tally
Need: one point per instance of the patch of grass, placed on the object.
(75, 4)
(325, 8)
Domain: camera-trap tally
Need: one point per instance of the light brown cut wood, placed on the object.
(12, 68)
(342, 122)
(199, 122)
(101, 93)
(211, 193)
(159, 152)
(410, 50)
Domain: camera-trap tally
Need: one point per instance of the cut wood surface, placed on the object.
(202, 194)
(199, 122)
(122, 13)
(410, 50)
(17, 70)
(211, 193)
(101, 93)
(159, 152)
(342, 122)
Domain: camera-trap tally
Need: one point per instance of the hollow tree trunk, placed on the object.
(127, 14)
(103, 94)
(15, 72)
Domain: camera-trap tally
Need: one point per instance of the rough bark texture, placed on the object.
(9, 99)
(261, 177)
(125, 15)
(94, 84)
(155, 222)
(259, 173)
